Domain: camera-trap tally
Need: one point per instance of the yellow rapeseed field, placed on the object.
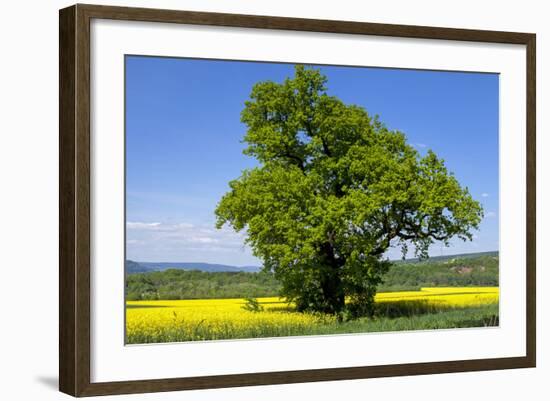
(213, 319)
(445, 296)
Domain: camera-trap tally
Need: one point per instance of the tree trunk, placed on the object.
(331, 282)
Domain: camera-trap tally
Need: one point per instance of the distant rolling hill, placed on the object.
(143, 267)
(133, 267)
(443, 258)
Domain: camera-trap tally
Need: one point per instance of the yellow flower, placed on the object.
(214, 319)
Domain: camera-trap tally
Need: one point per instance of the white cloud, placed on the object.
(138, 225)
(491, 214)
(183, 242)
(485, 195)
(133, 225)
(421, 145)
(203, 240)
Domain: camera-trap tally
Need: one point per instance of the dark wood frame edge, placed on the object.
(74, 199)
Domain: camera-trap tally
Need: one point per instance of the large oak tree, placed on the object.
(334, 190)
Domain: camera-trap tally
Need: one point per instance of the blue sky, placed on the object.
(183, 145)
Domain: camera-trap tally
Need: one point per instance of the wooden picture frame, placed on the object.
(74, 200)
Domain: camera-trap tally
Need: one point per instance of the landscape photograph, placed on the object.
(277, 200)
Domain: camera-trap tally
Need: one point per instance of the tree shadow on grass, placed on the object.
(413, 308)
(383, 309)
(407, 308)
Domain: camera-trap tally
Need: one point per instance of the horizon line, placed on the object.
(391, 260)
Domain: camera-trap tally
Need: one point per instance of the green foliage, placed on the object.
(334, 190)
(252, 305)
(194, 284)
(140, 287)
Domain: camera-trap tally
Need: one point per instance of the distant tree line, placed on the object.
(455, 272)
(194, 284)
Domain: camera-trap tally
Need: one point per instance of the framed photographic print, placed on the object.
(250, 200)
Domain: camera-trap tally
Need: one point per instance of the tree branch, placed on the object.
(325, 148)
(299, 161)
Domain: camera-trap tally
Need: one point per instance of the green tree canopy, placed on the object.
(333, 191)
